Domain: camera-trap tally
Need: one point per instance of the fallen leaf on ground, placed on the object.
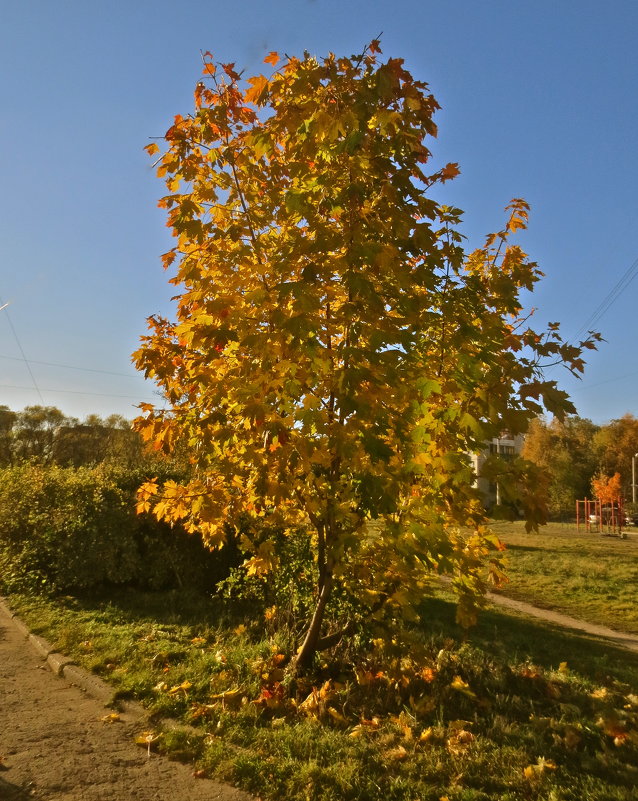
(146, 739)
(534, 772)
(184, 686)
(462, 687)
(396, 754)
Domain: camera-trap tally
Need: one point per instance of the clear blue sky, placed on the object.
(538, 100)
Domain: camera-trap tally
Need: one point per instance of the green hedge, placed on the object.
(64, 529)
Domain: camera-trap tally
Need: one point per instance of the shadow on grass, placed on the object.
(513, 637)
(527, 548)
(503, 634)
(157, 608)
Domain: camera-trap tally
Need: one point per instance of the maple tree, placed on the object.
(335, 355)
(607, 489)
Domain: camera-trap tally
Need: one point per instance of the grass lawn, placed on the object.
(590, 576)
(515, 711)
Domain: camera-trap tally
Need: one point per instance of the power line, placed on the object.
(609, 380)
(70, 367)
(607, 302)
(24, 358)
(72, 392)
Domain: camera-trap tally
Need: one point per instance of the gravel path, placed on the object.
(55, 747)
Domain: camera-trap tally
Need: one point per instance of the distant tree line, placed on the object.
(46, 436)
(574, 451)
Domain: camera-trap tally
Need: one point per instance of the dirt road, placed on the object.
(55, 747)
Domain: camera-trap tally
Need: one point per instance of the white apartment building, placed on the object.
(505, 445)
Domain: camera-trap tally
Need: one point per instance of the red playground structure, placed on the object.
(607, 518)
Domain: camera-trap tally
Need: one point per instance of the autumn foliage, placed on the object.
(607, 489)
(335, 356)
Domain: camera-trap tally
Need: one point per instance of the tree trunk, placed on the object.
(313, 635)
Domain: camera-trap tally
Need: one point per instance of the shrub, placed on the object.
(68, 529)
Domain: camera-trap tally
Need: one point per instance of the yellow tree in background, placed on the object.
(606, 489)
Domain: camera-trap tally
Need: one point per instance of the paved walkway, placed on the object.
(618, 638)
(55, 747)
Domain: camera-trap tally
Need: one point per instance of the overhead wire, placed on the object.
(610, 298)
(610, 380)
(71, 367)
(71, 392)
(40, 390)
(603, 307)
(20, 348)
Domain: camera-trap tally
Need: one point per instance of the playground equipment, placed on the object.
(607, 518)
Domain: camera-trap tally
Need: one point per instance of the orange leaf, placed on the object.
(450, 171)
(428, 674)
(272, 58)
(257, 86)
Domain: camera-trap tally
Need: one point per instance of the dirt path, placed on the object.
(618, 638)
(56, 748)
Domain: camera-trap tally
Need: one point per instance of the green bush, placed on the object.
(285, 597)
(67, 529)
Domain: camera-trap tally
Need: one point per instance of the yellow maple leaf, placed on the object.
(239, 630)
(534, 772)
(426, 735)
(462, 687)
(256, 566)
(183, 687)
(396, 754)
(337, 716)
